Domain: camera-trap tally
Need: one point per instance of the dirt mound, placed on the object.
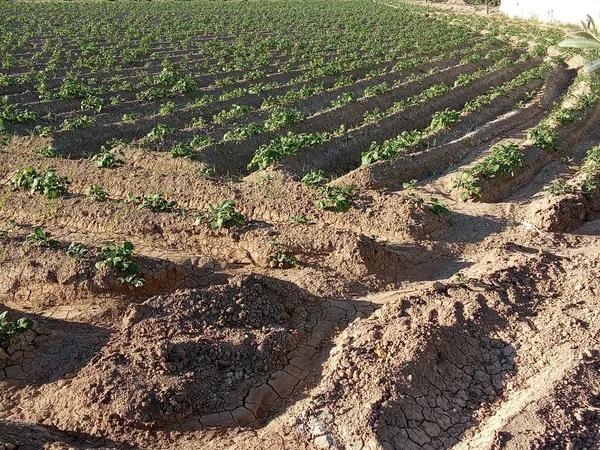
(42, 277)
(557, 213)
(426, 370)
(181, 356)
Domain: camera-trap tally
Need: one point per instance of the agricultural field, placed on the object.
(296, 225)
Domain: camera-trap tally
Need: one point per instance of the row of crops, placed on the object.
(236, 88)
(242, 88)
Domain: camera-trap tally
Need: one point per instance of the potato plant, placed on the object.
(335, 198)
(40, 238)
(504, 159)
(45, 182)
(118, 259)
(154, 202)
(223, 215)
(8, 328)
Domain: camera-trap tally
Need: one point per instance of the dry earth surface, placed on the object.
(399, 327)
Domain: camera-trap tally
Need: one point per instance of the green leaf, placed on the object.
(593, 66)
(580, 42)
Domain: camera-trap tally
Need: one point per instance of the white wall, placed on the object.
(567, 11)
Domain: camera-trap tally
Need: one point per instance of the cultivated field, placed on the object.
(295, 225)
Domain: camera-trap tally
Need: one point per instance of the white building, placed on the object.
(566, 11)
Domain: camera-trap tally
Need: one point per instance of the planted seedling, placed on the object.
(544, 137)
(504, 159)
(97, 193)
(39, 238)
(280, 258)
(167, 108)
(47, 183)
(8, 329)
(314, 178)
(47, 152)
(442, 120)
(335, 198)
(154, 202)
(223, 215)
(108, 159)
(182, 150)
(409, 185)
(206, 172)
(301, 219)
(438, 207)
(118, 258)
(77, 251)
(559, 187)
(159, 133)
(461, 279)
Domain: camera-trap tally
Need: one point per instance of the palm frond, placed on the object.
(587, 39)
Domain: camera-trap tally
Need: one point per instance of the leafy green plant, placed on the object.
(409, 185)
(438, 207)
(373, 116)
(282, 146)
(228, 115)
(118, 258)
(343, 99)
(11, 113)
(444, 119)
(92, 102)
(47, 183)
(47, 152)
(280, 258)
(198, 122)
(182, 150)
(504, 159)
(589, 38)
(77, 251)
(159, 133)
(41, 130)
(544, 137)
(201, 140)
(335, 198)
(461, 279)
(108, 159)
(97, 193)
(8, 329)
(589, 185)
(223, 215)
(314, 178)
(76, 123)
(301, 219)
(130, 117)
(559, 187)
(39, 238)
(468, 183)
(206, 172)
(154, 202)
(391, 148)
(591, 171)
(283, 117)
(242, 132)
(167, 108)
(376, 89)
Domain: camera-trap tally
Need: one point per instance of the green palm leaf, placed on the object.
(587, 39)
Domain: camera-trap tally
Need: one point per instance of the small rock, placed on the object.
(324, 442)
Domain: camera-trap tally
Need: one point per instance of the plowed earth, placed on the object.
(398, 328)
